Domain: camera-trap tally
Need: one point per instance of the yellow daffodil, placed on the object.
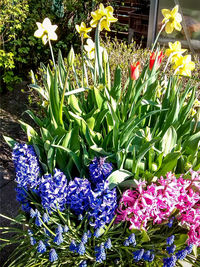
(46, 31)
(90, 48)
(83, 30)
(174, 50)
(104, 15)
(184, 65)
(172, 19)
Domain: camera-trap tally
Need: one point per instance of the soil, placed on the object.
(12, 106)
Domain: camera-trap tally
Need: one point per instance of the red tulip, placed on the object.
(153, 58)
(135, 71)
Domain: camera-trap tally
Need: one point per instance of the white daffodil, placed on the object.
(46, 31)
(90, 48)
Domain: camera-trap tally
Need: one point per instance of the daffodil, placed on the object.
(104, 15)
(46, 31)
(174, 50)
(184, 65)
(83, 30)
(172, 19)
(90, 48)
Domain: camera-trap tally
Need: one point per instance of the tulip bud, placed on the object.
(105, 56)
(135, 71)
(71, 57)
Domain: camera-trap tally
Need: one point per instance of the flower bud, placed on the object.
(105, 56)
(71, 57)
(135, 71)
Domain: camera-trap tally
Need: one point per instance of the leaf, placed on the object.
(117, 177)
(31, 133)
(169, 163)
(181, 240)
(11, 142)
(191, 145)
(35, 118)
(145, 237)
(169, 140)
(75, 158)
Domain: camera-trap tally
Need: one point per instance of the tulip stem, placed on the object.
(52, 53)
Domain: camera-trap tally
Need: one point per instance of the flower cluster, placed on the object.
(26, 166)
(79, 195)
(103, 205)
(53, 191)
(157, 202)
(99, 170)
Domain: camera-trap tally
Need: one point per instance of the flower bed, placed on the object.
(111, 176)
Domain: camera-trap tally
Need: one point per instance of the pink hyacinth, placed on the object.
(156, 202)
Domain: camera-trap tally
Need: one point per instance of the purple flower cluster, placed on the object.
(99, 170)
(79, 195)
(53, 191)
(21, 197)
(103, 205)
(26, 166)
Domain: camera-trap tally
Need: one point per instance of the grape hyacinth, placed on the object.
(53, 255)
(108, 244)
(53, 191)
(100, 253)
(170, 240)
(41, 247)
(45, 218)
(132, 240)
(169, 262)
(138, 254)
(84, 238)
(73, 246)
(103, 205)
(83, 264)
(99, 170)
(58, 239)
(81, 249)
(79, 195)
(32, 241)
(26, 166)
(171, 249)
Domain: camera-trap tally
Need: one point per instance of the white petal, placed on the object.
(46, 23)
(39, 33)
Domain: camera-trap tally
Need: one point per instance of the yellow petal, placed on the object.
(177, 26)
(178, 17)
(169, 27)
(166, 13)
(174, 10)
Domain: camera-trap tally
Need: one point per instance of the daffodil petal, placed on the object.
(52, 36)
(44, 39)
(174, 10)
(39, 33)
(178, 17)
(166, 13)
(46, 23)
(177, 26)
(169, 28)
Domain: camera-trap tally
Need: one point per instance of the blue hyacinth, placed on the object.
(41, 247)
(26, 166)
(138, 254)
(171, 249)
(108, 244)
(53, 255)
(58, 239)
(103, 205)
(169, 262)
(99, 170)
(100, 253)
(79, 195)
(170, 240)
(22, 198)
(53, 191)
(38, 221)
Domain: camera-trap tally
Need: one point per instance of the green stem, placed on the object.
(62, 99)
(158, 35)
(52, 53)
(83, 71)
(47, 227)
